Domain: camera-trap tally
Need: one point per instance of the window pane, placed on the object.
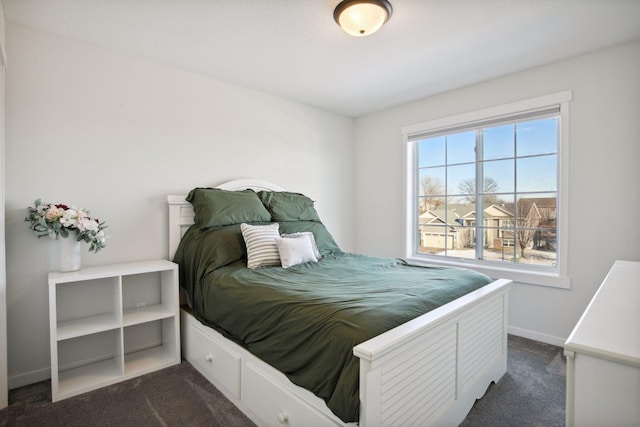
(536, 229)
(537, 137)
(462, 221)
(461, 215)
(498, 142)
(537, 211)
(497, 216)
(499, 176)
(545, 247)
(466, 253)
(461, 148)
(431, 182)
(425, 207)
(537, 174)
(432, 239)
(536, 246)
(498, 229)
(499, 244)
(431, 152)
(504, 202)
(461, 179)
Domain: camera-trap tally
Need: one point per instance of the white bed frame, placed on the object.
(428, 371)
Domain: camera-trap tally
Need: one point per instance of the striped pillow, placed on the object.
(260, 241)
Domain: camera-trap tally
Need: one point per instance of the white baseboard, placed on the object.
(45, 374)
(29, 378)
(536, 336)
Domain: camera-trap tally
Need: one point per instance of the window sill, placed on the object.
(520, 275)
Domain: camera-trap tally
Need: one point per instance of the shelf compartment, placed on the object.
(88, 300)
(87, 362)
(136, 316)
(88, 377)
(150, 344)
(148, 289)
(149, 360)
(87, 325)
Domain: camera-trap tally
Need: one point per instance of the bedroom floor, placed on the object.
(532, 393)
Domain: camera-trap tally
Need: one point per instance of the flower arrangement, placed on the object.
(59, 220)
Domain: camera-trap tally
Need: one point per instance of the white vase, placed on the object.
(70, 258)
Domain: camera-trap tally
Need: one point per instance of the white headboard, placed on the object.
(181, 211)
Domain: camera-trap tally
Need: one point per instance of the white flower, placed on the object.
(69, 219)
(101, 237)
(87, 224)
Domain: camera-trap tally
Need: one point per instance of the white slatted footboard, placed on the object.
(431, 370)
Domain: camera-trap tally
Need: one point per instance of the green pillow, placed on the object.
(204, 250)
(214, 207)
(324, 240)
(285, 206)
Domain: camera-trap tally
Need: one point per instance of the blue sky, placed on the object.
(537, 138)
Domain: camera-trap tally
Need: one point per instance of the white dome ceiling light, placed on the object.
(361, 18)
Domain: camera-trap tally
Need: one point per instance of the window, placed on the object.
(485, 190)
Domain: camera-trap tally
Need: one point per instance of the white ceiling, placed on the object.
(294, 49)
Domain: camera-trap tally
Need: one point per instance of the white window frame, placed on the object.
(554, 277)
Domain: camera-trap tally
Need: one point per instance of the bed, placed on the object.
(428, 370)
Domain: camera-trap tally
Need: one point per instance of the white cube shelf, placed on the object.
(111, 323)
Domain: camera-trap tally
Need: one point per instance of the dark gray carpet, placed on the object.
(175, 396)
(532, 393)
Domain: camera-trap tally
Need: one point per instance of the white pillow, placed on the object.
(313, 240)
(260, 241)
(295, 250)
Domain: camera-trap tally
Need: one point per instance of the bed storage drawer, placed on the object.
(219, 364)
(275, 405)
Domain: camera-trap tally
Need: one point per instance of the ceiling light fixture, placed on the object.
(362, 17)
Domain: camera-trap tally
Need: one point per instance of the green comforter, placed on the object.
(305, 320)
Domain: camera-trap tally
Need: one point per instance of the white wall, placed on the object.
(116, 135)
(4, 392)
(604, 174)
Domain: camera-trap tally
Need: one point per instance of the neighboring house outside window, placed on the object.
(513, 225)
